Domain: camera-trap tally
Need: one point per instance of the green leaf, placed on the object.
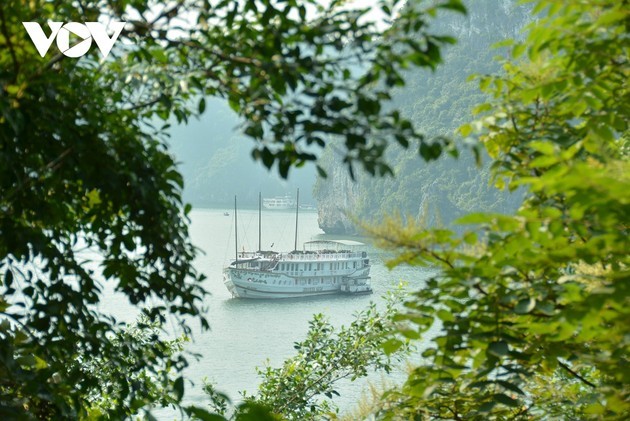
(178, 387)
(391, 346)
(544, 147)
(470, 238)
(506, 400)
(511, 387)
(445, 315)
(159, 55)
(518, 50)
(487, 407)
(544, 161)
(430, 151)
(612, 16)
(525, 305)
(498, 348)
(474, 218)
(455, 5)
(12, 89)
(203, 414)
(465, 130)
(409, 333)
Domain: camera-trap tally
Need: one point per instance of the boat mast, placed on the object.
(297, 207)
(235, 234)
(259, 218)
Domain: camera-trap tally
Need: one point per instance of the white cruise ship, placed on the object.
(279, 203)
(322, 267)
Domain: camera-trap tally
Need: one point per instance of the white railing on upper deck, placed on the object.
(312, 257)
(320, 273)
(303, 257)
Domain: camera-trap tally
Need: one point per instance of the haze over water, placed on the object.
(245, 334)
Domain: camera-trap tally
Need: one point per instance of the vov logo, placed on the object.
(87, 32)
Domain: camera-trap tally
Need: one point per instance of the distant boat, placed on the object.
(308, 207)
(226, 213)
(279, 202)
(322, 267)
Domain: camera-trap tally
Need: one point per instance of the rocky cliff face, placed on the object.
(437, 103)
(337, 200)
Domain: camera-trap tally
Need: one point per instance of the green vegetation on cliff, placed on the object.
(437, 102)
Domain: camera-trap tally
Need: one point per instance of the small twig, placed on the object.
(56, 58)
(24, 326)
(513, 120)
(143, 104)
(52, 165)
(166, 13)
(235, 59)
(576, 375)
(440, 258)
(454, 412)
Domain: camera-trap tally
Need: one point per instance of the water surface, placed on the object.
(246, 334)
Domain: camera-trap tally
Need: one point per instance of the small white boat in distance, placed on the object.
(322, 267)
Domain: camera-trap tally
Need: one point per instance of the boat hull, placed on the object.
(243, 283)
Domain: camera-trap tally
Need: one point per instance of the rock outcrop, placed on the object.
(337, 200)
(437, 103)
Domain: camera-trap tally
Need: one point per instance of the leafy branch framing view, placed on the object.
(533, 306)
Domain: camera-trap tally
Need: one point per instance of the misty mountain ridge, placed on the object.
(216, 163)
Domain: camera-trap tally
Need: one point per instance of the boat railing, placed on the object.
(306, 257)
(321, 256)
(303, 257)
(324, 273)
(247, 255)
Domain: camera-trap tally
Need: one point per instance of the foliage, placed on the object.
(90, 198)
(304, 387)
(536, 317)
(131, 364)
(322, 359)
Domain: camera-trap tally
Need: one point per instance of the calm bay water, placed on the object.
(246, 334)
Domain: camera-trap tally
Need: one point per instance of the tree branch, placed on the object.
(576, 375)
(56, 58)
(143, 104)
(7, 37)
(27, 181)
(22, 325)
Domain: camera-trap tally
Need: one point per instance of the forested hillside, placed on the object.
(437, 102)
